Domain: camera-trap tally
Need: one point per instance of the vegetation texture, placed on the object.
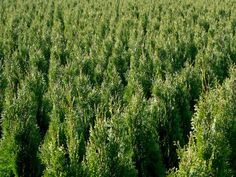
(117, 88)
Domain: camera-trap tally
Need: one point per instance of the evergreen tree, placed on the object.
(211, 149)
(144, 138)
(2, 84)
(21, 136)
(109, 151)
(53, 151)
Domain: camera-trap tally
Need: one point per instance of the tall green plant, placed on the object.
(211, 149)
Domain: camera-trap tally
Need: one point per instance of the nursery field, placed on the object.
(118, 88)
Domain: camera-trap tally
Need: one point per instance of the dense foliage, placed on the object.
(117, 88)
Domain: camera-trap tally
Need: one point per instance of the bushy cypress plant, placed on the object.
(211, 148)
(2, 84)
(144, 137)
(109, 151)
(53, 151)
(21, 136)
